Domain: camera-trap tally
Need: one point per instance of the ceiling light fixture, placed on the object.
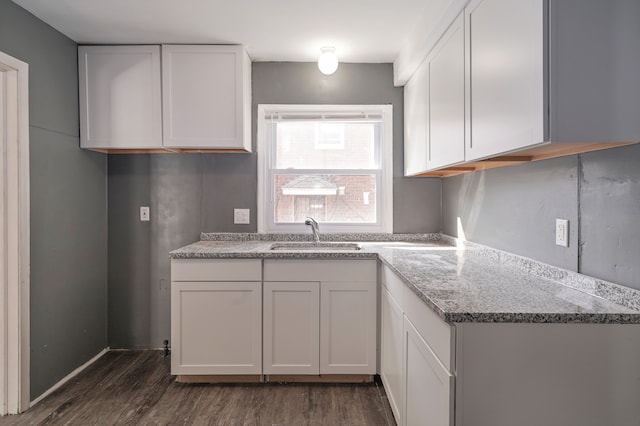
(328, 61)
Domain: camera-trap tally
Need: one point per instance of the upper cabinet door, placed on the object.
(416, 125)
(505, 76)
(206, 97)
(446, 98)
(120, 97)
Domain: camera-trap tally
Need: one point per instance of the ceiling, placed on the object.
(271, 30)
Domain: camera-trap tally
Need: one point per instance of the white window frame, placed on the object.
(384, 200)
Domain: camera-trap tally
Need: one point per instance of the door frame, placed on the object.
(14, 235)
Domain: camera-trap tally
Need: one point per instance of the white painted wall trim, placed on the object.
(434, 21)
(15, 252)
(69, 376)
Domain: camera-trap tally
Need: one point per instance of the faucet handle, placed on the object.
(311, 221)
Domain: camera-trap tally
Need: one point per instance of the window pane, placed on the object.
(326, 198)
(326, 145)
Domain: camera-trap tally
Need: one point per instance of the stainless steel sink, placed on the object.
(312, 246)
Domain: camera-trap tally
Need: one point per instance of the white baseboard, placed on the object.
(68, 377)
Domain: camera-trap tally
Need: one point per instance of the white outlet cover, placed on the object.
(241, 216)
(562, 232)
(144, 214)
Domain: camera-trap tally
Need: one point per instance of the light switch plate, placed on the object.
(241, 216)
(562, 232)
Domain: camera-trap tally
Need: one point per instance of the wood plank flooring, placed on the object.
(135, 388)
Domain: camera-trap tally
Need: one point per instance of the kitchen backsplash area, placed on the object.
(514, 209)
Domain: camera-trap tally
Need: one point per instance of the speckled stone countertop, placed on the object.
(461, 284)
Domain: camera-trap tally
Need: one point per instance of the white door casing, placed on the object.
(14, 235)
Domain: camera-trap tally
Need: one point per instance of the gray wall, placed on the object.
(609, 209)
(514, 209)
(190, 193)
(68, 206)
(416, 204)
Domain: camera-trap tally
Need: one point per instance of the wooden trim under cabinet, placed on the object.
(525, 156)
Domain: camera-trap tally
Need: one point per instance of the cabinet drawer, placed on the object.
(320, 270)
(393, 284)
(438, 334)
(216, 270)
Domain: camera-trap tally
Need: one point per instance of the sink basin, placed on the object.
(311, 246)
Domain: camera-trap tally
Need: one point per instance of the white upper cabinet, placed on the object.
(120, 97)
(505, 76)
(416, 126)
(137, 98)
(446, 98)
(434, 106)
(541, 80)
(206, 97)
(545, 81)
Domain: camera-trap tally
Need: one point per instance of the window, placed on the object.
(330, 162)
(329, 135)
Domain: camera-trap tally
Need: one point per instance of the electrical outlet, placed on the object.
(241, 216)
(562, 232)
(144, 214)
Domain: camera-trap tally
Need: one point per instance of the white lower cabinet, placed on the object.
(429, 385)
(216, 317)
(391, 352)
(216, 328)
(306, 317)
(348, 327)
(291, 328)
(504, 374)
(320, 317)
(417, 357)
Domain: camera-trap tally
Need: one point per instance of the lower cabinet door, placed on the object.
(429, 388)
(216, 328)
(348, 328)
(291, 327)
(391, 367)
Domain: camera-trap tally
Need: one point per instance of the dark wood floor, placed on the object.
(135, 387)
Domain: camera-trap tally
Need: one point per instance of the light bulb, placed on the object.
(328, 61)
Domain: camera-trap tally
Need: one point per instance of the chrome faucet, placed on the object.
(314, 228)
